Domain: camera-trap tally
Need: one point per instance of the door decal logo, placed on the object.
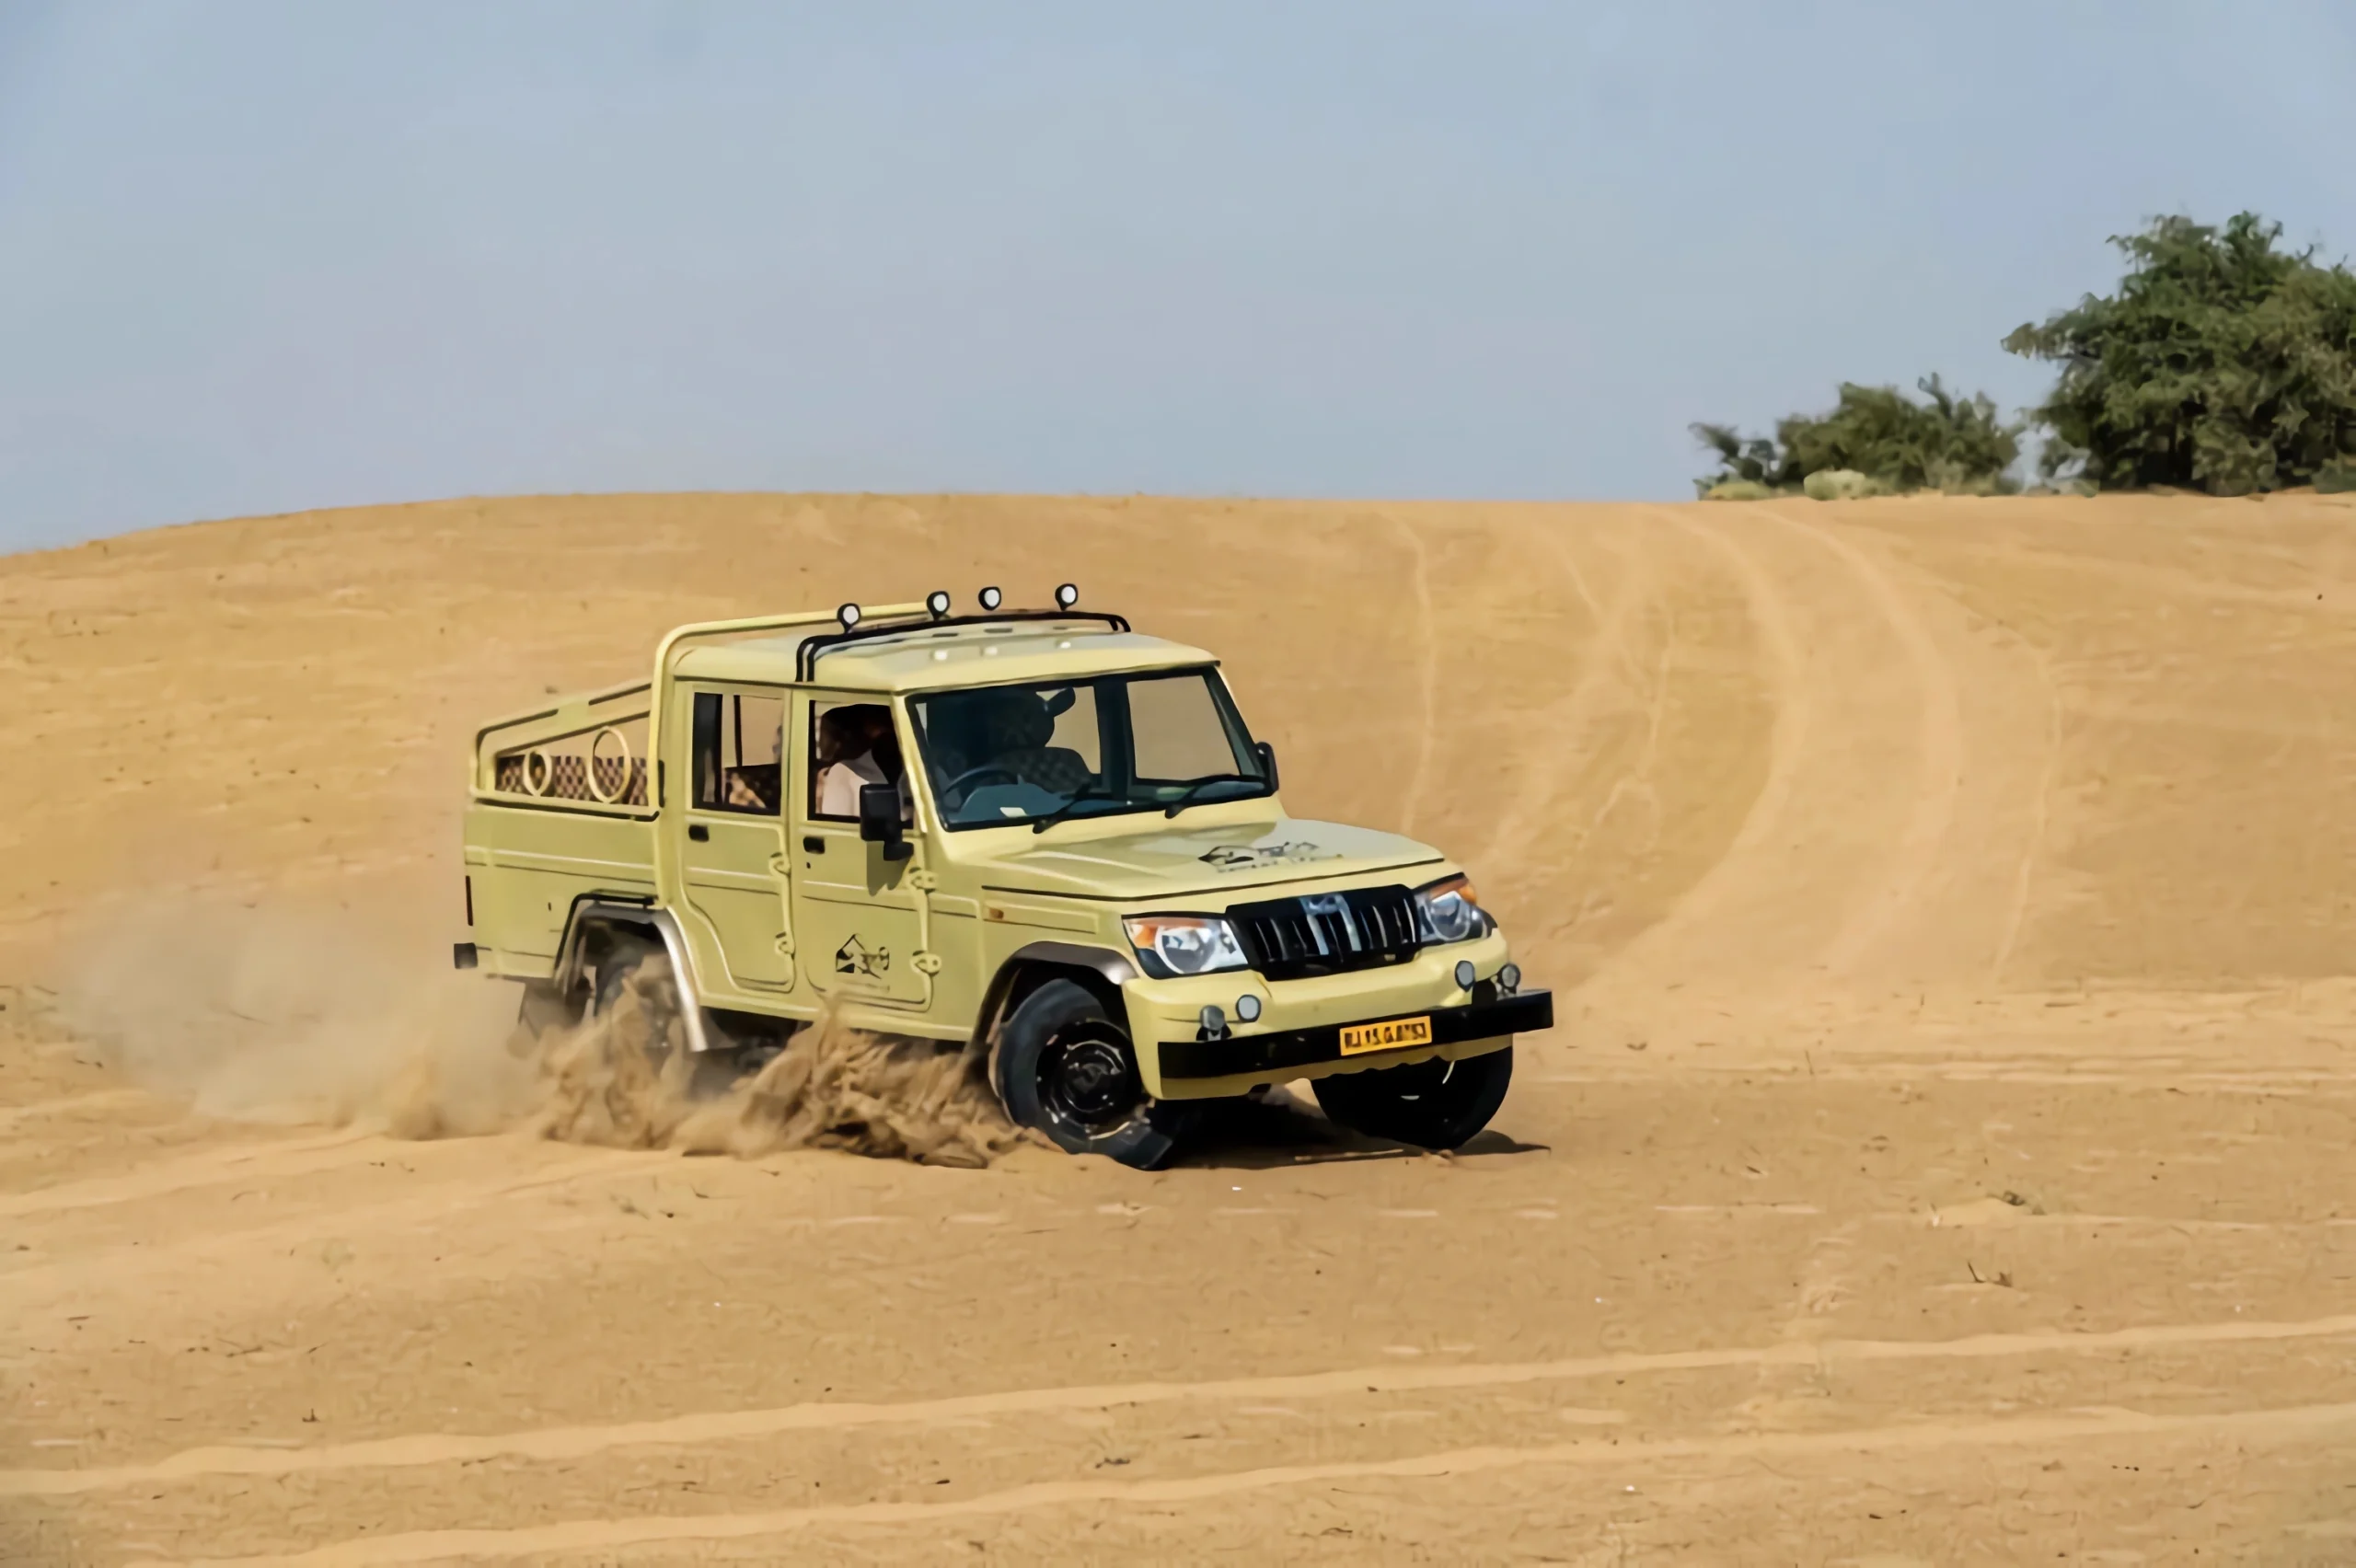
(1241, 857)
(855, 957)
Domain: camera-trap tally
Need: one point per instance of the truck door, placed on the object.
(732, 862)
(862, 920)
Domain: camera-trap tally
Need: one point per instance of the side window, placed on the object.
(852, 745)
(739, 742)
(606, 765)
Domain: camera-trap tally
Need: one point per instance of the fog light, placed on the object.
(1247, 1008)
(1214, 1020)
(1464, 972)
(1509, 977)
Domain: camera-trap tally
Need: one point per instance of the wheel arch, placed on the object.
(1101, 970)
(594, 921)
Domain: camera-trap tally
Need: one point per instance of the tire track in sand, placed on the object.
(1877, 761)
(142, 1265)
(1608, 650)
(1939, 739)
(1428, 632)
(13, 1116)
(2280, 1424)
(1741, 862)
(562, 1443)
(2016, 910)
(240, 1162)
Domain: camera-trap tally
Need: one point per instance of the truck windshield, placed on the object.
(1001, 755)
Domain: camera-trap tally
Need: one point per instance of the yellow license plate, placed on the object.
(1391, 1036)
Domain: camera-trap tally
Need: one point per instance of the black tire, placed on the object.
(1065, 1068)
(614, 972)
(704, 1076)
(1431, 1105)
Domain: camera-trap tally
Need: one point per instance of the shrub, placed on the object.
(1737, 489)
(2222, 364)
(1944, 443)
(1840, 484)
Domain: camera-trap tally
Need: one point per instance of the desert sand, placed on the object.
(1943, 1155)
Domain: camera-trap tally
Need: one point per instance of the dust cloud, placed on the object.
(625, 1079)
(293, 1015)
(304, 1016)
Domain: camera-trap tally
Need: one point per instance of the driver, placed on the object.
(1019, 729)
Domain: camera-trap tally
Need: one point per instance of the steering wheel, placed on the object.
(962, 785)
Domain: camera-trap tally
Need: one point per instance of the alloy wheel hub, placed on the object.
(1086, 1082)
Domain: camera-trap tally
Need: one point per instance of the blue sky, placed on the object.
(260, 257)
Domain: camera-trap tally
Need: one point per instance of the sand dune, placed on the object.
(1943, 1152)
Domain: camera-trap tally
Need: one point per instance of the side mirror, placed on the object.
(1267, 756)
(879, 820)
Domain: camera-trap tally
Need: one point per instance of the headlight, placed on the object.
(1449, 911)
(1186, 944)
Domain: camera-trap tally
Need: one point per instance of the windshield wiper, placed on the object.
(1187, 797)
(1087, 792)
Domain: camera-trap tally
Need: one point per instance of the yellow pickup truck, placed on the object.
(1038, 829)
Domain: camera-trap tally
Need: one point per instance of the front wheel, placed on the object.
(1432, 1104)
(1063, 1066)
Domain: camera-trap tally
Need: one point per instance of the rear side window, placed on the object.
(739, 743)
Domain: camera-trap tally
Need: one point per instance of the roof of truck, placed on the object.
(922, 657)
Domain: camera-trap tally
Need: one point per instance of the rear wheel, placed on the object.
(1433, 1104)
(543, 1013)
(636, 994)
(1065, 1068)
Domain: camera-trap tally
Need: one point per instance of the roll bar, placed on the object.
(666, 653)
(883, 624)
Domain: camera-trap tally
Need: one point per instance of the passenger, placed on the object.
(846, 759)
(857, 746)
(753, 788)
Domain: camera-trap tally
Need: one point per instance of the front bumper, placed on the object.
(1292, 1051)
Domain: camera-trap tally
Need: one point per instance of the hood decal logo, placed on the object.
(1243, 856)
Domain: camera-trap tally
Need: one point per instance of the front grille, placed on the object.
(1327, 933)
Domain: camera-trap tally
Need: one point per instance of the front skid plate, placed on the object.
(1255, 1053)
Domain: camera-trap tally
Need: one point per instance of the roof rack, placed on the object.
(893, 624)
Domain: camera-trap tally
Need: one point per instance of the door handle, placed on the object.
(813, 845)
(700, 833)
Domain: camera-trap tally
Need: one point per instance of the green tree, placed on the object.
(2222, 364)
(1945, 442)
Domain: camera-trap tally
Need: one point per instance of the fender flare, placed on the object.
(1112, 967)
(591, 910)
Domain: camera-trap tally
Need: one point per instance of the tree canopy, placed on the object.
(1943, 442)
(2222, 364)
